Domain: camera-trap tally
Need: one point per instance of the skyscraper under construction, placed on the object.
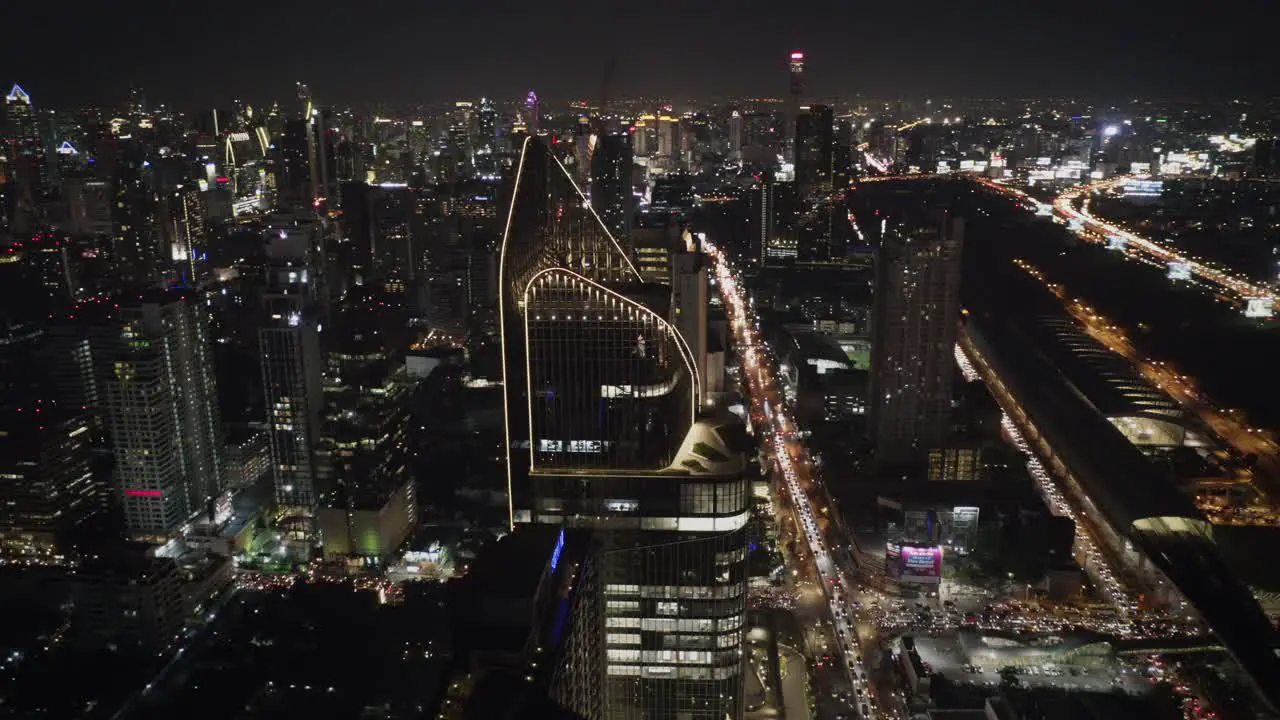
(606, 435)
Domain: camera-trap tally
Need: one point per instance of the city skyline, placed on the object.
(394, 57)
(641, 376)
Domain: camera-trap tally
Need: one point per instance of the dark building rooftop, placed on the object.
(514, 566)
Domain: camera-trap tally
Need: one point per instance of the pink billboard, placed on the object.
(922, 563)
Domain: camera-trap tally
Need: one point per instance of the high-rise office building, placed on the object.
(913, 335)
(162, 412)
(795, 92)
(486, 154)
(185, 231)
(761, 209)
(46, 487)
(293, 164)
(135, 250)
(25, 149)
(735, 136)
(605, 434)
(370, 507)
(815, 148)
(292, 372)
(611, 195)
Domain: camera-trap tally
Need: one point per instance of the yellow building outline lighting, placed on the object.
(686, 354)
(502, 324)
(587, 204)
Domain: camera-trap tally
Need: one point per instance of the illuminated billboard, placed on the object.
(1143, 188)
(910, 563)
(1259, 307)
(1179, 270)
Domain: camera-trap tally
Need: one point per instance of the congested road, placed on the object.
(1231, 285)
(795, 467)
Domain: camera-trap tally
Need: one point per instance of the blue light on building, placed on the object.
(555, 554)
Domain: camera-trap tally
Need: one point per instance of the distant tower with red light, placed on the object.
(794, 93)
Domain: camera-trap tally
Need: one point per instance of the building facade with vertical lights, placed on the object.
(606, 434)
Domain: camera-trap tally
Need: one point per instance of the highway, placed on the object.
(1232, 285)
(794, 465)
(1221, 280)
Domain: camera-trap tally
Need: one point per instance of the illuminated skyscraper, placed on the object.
(25, 150)
(815, 147)
(135, 249)
(292, 370)
(293, 166)
(611, 196)
(913, 336)
(605, 434)
(184, 229)
(162, 412)
(735, 135)
(534, 109)
(45, 483)
(486, 151)
(795, 91)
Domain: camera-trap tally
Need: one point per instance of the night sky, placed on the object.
(195, 54)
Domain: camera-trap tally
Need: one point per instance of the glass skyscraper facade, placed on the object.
(606, 435)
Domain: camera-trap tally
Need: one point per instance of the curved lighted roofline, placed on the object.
(587, 204)
(686, 354)
(502, 324)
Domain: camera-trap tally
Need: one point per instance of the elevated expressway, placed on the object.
(1137, 517)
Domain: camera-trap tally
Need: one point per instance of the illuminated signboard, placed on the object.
(1179, 270)
(573, 446)
(920, 563)
(555, 554)
(1143, 188)
(238, 137)
(1259, 307)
